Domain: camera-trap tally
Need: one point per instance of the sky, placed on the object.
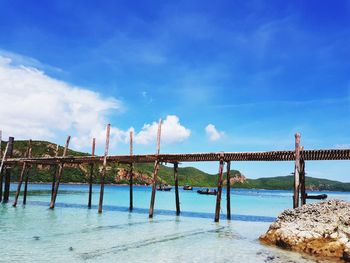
(223, 75)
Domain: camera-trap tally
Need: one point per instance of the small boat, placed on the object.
(188, 187)
(318, 197)
(163, 188)
(207, 191)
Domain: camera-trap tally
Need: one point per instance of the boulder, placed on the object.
(320, 229)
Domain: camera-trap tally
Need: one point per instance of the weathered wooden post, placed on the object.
(177, 198)
(155, 172)
(218, 195)
(302, 182)
(26, 175)
(0, 144)
(2, 170)
(296, 171)
(131, 174)
(8, 172)
(104, 169)
(228, 191)
(55, 169)
(59, 173)
(91, 172)
(23, 172)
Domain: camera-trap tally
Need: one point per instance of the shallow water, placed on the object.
(73, 233)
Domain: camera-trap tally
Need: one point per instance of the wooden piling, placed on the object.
(218, 195)
(302, 182)
(23, 172)
(104, 169)
(91, 172)
(26, 176)
(155, 172)
(0, 144)
(54, 175)
(8, 172)
(228, 190)
(2, 166)
(131, 174)
(177, 198)
(296, 171)
(59, 173)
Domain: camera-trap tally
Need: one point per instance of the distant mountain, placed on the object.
(286, 183)
(143, 173)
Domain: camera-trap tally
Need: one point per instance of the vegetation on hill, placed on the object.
(143, 173)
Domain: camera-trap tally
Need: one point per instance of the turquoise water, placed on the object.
(73, 233)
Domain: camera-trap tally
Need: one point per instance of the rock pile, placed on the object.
(321, 229)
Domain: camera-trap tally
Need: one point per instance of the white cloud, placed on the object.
(34, 105)
(172, 132)
(213, 133)
(342, 146)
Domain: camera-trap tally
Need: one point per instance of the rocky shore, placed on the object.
(319, 229)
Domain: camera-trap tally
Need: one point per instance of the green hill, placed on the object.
(286, 183)
(143, 173)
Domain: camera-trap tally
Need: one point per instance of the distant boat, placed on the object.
(188, 187)
(207, 191)
(319, 197)
(163, 188)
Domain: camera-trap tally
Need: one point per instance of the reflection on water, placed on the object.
(73, 233)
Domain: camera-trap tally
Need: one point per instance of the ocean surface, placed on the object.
(73, 233)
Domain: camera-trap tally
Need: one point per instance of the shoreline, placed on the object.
(181, 186)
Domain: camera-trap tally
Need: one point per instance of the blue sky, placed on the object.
(256, 72)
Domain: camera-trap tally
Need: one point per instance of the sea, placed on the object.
(73, 233)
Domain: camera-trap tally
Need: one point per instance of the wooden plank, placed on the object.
(104, 169)
(8, 172)
(59, 173)
(228, 190)
(177, 198)
(296, 171)
(91, 172)
(218, 196)
(23, 171)
(131, 174)
(155, 171)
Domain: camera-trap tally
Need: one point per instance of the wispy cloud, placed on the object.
(21, 60)
(212, 133)
(291, 103)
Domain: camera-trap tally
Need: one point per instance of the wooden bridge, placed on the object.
(299, 156)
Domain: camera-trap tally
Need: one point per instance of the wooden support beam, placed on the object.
(228, 190)
(54, 175)
(131, 174)
(8, 172)
(2, 170)
(302, 182)
(177, 198)
(218, 195)
(26, 176)
(91, 172)
(296, 171)
(23, 172)
(0, 144)
(59, 173)
(155, 171)
(104, 169)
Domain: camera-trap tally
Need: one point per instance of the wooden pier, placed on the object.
(299, 156)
